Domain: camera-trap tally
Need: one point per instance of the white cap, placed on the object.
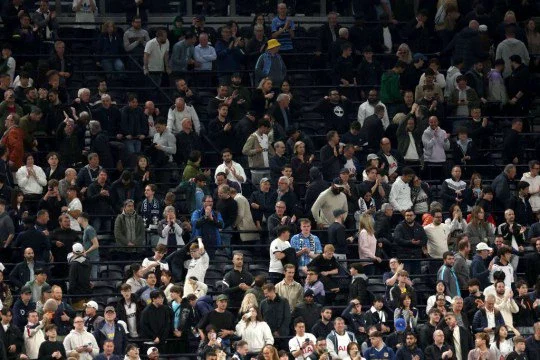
(483, 28)
(92, 304)
(151, 350)
(77, 248)
(482, 246)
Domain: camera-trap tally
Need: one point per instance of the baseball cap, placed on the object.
(92, 304)
(482, 246)
(344, 171)
(151, 350)
(337, 182)
(338, 212)
(419, 56)
(77, 248)
(222, 297)
(309, 292)
(26, 289)
(263, 180)
(46, 288)
(400, 324)
(372, 157)
(109, 308)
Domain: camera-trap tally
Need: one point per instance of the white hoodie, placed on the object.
(174, 118)
(75, 339)
(534, 187)
(33, 337)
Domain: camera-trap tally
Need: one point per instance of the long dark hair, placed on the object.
(498, 337)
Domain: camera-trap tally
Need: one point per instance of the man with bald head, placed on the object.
(178, 112)
(438, 350)
(24, 271)
(466, 45)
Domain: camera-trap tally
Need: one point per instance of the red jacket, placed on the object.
(13, 141)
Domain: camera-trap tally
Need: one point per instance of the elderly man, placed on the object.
(329, 200)
(285, 194)
(279, 219)
(70, 179)
(108, 115)
(179, 111)
(281, 111)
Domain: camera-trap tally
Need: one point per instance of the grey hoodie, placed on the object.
(508, 48)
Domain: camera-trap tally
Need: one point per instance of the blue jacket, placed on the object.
(206, 228)
(120, 338)
(480, 271)
(480, 321)
(385, 353)
(228, 59)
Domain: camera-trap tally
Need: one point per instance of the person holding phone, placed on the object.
(302, 344)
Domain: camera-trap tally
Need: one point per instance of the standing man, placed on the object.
(283, 28)
(156, 57)
(435, 142)
(338, 340)
(329, 200)
(90, 244)
(306, 245)
(411, 239)
(258, 149)
(156, 320)
(400, 193)
(237, 281)
(447, 274)
(462, 266)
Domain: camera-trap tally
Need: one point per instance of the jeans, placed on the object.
(133, 146)
(101, 224)
(112, 65)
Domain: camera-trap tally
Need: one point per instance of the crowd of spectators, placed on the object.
(392, 215)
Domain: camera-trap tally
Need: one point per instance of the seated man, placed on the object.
(327, 266)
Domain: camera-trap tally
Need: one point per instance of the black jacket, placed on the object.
(35, 239)
(358, 289)
(156, 322)
(121, 310)
(100, 144)
(20, 274)
(309, 312)
(403, 236)
(330, 163)
(79, 276)
(109, 119)
(133, 122)
(399, 159)
(501, 189)
(13, 336)
(97, 203)
(466, 340)
(120, 337)
(372, 131)
(277, 314)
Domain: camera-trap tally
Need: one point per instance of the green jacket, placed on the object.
(191, 170)
(390, 92)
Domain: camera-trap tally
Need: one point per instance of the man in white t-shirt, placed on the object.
(73, 208)
(277, 247)
(198, 264)
(302, 344)
(338, 340)
(156, 57)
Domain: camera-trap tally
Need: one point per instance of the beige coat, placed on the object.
(250, 149)
(244, 220)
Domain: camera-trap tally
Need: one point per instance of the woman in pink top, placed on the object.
(367, 243)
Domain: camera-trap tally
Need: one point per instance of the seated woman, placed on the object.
(407, 312)
(440, 289)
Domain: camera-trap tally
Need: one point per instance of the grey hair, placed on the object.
(386, 206)
(82, 91)
(70, 170)
(285, 179)
(282, 97)
(94, 127)
(342, 31)
(509, 168)
(84, 115)
(105, 97)
(168, 209)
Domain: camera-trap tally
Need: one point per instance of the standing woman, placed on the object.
(474, 191)
(301, 163)
(502, 344)
(253, 329)
(263, 97)
(478, 229)
(367, 243)
(482, 350)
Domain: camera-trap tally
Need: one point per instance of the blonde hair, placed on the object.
(398, 118)
(366, 223)
(106, 24)
(408, 58)
(296, 145)
(249, 301)
(263, 81)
